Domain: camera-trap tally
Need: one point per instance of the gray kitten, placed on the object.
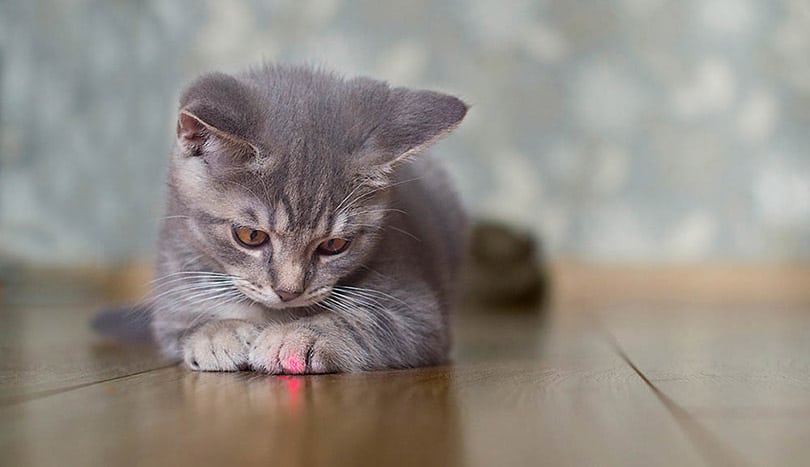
(307, 232)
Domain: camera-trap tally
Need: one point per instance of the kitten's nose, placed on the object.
(286, 296)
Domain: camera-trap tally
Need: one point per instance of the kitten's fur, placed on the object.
(306, 155)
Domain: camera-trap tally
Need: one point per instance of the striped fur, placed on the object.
(306, 155)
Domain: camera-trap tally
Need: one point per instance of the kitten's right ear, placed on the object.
(199, 138)
(191, 133)
(217, 114)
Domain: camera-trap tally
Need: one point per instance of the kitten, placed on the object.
(307, 232)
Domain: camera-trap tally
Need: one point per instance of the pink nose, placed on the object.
(286, 296)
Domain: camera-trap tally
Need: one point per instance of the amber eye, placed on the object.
(248, 237)
(333, 246)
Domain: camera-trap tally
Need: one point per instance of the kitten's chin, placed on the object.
(274, 302)
(307, 299)
(262, 299)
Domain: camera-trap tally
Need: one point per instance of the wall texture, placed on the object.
(628, 130)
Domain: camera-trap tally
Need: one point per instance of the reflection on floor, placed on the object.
(620, 384)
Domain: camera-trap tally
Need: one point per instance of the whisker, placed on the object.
(357, 298)
(202, 299)
(361, 315)
(364, 290)
(190, 277)
(184, 296)
(340, 205)
(190, 261)
(374, 211)
(405, 232)
(370, 269)
(236, 298)
(193, 274)
(370, 307)
(192, 280)
(367, 226)
(244, 187)
(192, 288)
(264, 187)
(373, 191)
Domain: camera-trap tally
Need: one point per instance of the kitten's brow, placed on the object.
(243, 187)
(251, 214)
(210, 219)
(321, 216)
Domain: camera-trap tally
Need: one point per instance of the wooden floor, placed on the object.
(620, 384)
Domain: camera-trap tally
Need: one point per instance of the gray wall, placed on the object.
(624, 130)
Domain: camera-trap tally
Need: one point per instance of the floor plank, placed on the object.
(740, 373)
(48, 349)
(524, 390)
(569, 399)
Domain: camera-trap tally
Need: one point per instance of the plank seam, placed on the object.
(15, 400)
(713, 451)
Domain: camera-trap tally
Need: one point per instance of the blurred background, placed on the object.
(645, 132)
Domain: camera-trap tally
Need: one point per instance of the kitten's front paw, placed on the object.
(295, 349)
(220, 346)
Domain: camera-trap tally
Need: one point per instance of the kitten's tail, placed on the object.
(129, 323)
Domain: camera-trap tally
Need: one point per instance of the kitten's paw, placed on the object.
(220, 346)
(294, 349)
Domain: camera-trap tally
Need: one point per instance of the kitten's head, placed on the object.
(283, 172)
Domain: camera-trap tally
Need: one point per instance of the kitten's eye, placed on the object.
(333, 246)
(250, 238)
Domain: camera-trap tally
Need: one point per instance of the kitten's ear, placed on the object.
(416, 120)
(216, 115)
(192, 132)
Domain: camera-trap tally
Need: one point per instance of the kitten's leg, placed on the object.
(220, 345)
(352, 339)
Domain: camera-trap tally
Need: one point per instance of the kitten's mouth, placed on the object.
(272, 300)
(319, 295)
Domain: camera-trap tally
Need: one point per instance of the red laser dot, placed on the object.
(294, 365)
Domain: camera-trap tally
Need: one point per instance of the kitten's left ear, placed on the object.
(416, 120)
